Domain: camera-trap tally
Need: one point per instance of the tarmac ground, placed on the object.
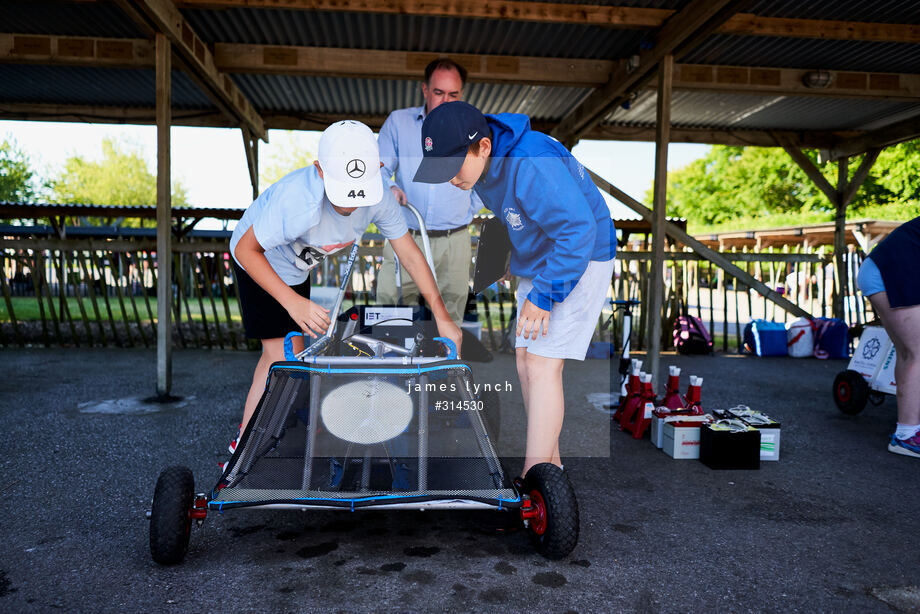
(832, 526)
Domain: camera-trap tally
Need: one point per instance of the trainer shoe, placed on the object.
(907, 447)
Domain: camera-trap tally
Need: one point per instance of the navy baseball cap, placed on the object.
(447, 134)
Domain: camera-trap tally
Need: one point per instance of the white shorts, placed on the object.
(571, 322)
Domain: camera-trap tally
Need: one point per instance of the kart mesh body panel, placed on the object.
(360, 435)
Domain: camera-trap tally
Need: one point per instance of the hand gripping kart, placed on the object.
(384, 425)
(870, 374)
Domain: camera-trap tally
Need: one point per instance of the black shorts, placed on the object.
(263, 316)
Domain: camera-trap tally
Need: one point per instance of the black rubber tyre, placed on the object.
(170, 523)
(850, 392)
(560, 522)
(492, 414)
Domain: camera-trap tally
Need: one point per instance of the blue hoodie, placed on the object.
(556, 217)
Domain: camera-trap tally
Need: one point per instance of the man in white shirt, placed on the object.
(299, 220)
(447, 210)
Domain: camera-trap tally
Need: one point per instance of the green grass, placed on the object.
(888, 211)
(494, 313)
(27, 309)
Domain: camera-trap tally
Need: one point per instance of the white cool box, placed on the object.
(679, 436)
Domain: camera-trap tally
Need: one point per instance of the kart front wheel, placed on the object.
(170, 518)
(553, 517)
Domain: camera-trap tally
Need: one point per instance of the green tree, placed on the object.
(898, 171)
(736, 187)
(288, 152)
(16, 176)
(121, 177)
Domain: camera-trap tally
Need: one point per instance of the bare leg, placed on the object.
(525, 382)
(903, 327)
(541, 385)
(272, 351)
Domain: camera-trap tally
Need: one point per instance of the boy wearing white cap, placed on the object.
(298, 221)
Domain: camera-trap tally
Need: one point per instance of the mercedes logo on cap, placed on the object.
(355, 168)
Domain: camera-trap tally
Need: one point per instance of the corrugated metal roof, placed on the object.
(744, 111)
(103, 19)
(878, 11)
(94, 86)
(648, 4)
(379, 97)
(881, 11)
(304, 95)
(806, 53)
(451, 35)
(410, 33)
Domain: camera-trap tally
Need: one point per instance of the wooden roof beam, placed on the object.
(696, 17)
(745, 24)
(319, 121)
(163, 16)
(76, 51)
(899, 132)
(376, 64)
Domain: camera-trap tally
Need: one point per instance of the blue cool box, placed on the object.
(764, 338)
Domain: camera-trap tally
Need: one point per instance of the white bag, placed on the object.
(800, 338)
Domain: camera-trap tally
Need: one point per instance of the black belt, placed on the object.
(440, 233)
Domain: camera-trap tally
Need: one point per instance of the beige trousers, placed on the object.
(452, 259)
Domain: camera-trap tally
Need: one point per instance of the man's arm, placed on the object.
(410, 256)
(309, 316)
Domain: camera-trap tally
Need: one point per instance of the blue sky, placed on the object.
(211, 164)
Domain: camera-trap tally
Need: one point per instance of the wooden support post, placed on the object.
(251, 146)
(840, 198)
(659, 208)
(164, 228)
(840, 237)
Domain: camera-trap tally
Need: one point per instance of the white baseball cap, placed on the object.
(350, 161)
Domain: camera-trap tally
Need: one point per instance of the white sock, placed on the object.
(906, 431)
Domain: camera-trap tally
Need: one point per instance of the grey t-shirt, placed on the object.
(297, 227)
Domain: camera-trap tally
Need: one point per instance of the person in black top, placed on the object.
(889, 277)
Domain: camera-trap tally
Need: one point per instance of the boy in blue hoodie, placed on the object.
(562, 237)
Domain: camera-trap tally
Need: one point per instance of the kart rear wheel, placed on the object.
(492, 414)
(554, 527)
(170, 522)
(851, 392)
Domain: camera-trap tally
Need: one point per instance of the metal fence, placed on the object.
(90, 292)
(725, 304)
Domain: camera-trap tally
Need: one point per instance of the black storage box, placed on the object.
(729, 445)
